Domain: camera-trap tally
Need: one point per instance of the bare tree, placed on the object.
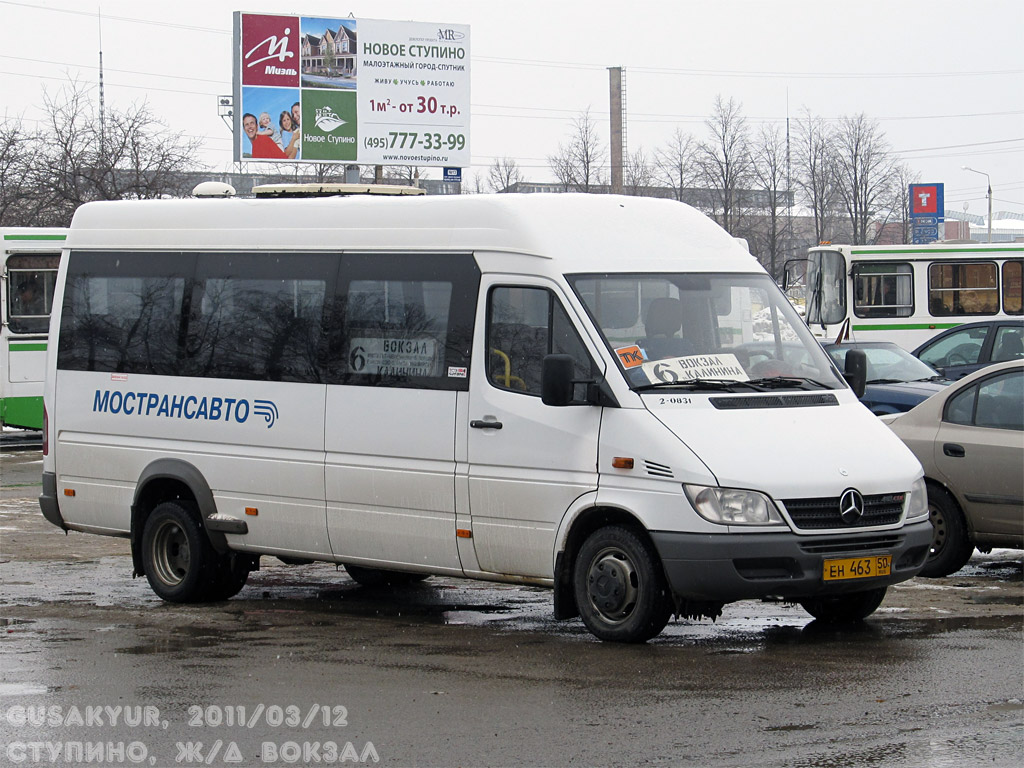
(639, 173)
(19, 199)
(865, 167)
(899, 200)
(675, 164)
(577, 164)
(724, 162)
(816, 176)
(130, 154)
(503, 173)
(768, 171)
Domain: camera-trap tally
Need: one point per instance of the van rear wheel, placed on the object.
(845, 609)
(178, 558)
(619, 586)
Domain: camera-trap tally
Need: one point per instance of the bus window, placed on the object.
(30, 282)
(883, 290)
(1012, 291)
(963, 289)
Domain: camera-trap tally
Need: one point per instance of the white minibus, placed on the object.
(584, 392)
(28, 267)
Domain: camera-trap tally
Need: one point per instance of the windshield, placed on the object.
(727, 332)
(826, 287)
(887, 363)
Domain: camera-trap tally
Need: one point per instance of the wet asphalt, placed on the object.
(305, 667)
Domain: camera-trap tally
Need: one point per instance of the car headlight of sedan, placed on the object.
(917, 506)
(732, 506)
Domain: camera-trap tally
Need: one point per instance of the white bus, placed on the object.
(554, 390)
(908, 293)
(29, 257)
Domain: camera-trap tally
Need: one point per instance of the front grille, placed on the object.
(814, 514)
(852, 546)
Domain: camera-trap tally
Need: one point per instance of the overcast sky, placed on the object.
(944, 79)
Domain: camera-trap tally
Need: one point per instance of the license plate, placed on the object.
(857, 567)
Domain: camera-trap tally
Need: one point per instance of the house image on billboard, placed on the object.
(329, 60)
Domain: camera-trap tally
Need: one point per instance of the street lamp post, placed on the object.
(964, 167)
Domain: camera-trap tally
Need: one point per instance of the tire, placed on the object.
(179, 561)
(378, 577)
(951, 543)
(232, 572)
(619, 586)
(845, 609)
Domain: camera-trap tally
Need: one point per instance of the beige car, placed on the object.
(970, 440)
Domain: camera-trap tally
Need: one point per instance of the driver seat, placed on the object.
(663, 321)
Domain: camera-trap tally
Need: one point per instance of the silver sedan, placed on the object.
(970, 440)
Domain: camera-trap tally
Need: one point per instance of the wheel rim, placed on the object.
(938, 530)
(171, 553)
(613, 585)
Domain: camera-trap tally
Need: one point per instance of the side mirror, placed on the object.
(556, 383)
(856, 373)
(789, 272)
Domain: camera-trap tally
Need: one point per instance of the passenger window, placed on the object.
(883, 290)
(124, 313)
(257, 317)
(1013, 291)
(1009, 344)
(962, 289)
(995, 403)
(524, 325)
(403, 321)
(30, 282)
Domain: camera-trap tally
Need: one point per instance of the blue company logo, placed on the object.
(188, 407)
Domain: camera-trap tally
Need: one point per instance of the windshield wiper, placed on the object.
(781, 382)
(887, 381)
(717, 385)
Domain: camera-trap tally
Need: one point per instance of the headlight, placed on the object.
(917, 505)
(731, 506)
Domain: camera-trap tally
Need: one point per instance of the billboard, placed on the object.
(345, 90)
(927, 212)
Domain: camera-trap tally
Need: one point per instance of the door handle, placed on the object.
(477, 424)
(954, 450)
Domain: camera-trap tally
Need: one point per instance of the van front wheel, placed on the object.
(620, 588)
(178, 558)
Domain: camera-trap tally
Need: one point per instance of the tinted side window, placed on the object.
(124, 312)
(232, 316)
(524, 325)
(403, 321)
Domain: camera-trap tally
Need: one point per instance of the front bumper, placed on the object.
(723, 568)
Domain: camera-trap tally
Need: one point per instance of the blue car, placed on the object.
(971, 347)
(896, 380)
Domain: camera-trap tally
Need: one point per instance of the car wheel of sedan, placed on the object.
(951, 543)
